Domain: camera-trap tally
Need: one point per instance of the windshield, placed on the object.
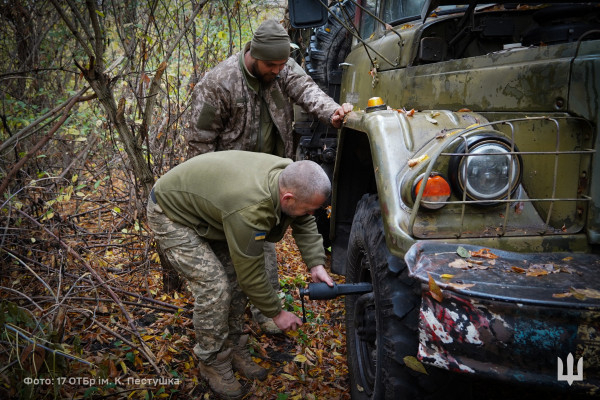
(393, 11)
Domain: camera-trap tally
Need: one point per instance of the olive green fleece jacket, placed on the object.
(234, 196)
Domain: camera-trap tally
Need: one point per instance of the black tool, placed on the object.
(322, 291)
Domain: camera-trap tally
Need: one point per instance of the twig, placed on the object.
(116, 289)
(23, 133)
(34, 274)
(82, 154)
(95, 299)
(24, 295)
(53, 351)
(119, 336)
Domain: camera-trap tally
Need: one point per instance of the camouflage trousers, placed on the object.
(219, 302)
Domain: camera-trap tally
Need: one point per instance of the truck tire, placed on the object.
(382, 326)
(328, 47)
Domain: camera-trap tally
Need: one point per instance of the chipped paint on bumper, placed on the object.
(509, 332)
(470, 336)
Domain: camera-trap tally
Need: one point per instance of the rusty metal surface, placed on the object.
(569, 280)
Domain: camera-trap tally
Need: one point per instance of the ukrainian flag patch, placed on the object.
(260, 235)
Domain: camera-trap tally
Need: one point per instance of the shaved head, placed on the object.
(305, 179)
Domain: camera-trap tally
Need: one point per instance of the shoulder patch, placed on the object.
(256, 243)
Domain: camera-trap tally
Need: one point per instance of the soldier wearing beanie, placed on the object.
(246, 103)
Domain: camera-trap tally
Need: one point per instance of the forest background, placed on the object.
(91, 94)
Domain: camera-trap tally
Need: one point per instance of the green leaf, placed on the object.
(414, 364)
(464, 253)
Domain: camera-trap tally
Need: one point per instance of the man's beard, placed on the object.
(268, 78)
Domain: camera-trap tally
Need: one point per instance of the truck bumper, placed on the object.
(510, 316)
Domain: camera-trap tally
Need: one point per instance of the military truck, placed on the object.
(466, 190)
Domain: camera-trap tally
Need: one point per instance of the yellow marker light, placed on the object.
(437, 189)
(374, 101)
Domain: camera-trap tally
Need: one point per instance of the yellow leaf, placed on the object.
(300, 358)
(447, 276)
(434, 289)
(289, 377)
(582, 294)
(536, 272)
(123, 366)
(414, 364)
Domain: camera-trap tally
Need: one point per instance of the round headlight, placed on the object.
(489, 172)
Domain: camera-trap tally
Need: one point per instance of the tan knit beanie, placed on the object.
(270, 42)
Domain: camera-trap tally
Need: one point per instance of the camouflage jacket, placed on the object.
(225, 110)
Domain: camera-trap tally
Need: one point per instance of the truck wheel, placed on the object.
(329, 46)
(381, 327)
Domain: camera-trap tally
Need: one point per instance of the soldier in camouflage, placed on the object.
(246, 103)
(211, 215)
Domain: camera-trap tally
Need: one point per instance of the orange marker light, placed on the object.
(374, 101)
(436, 189)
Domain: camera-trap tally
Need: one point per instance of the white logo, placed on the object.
(570, 377)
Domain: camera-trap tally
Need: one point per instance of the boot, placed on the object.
(243, 363)
(220, 376)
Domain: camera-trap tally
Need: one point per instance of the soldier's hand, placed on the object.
(338, 116)
(319, 274)
(286, 321)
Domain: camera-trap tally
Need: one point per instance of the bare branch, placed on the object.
(25, 132)
(39, 145)
(73, 29)
(99, 37)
